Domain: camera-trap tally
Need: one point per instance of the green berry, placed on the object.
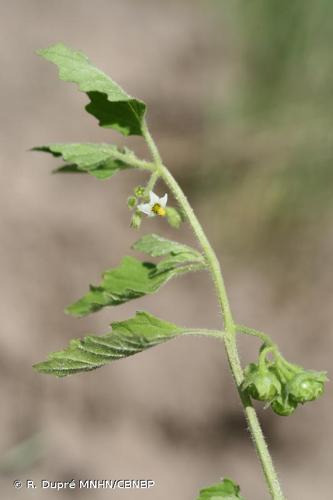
(174, 217)
(306, 386)
(283, 406)
(261, 383)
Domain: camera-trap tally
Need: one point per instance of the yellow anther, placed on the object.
(158, 210)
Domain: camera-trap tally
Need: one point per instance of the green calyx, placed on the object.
(136, 220)
(140, 191)
(283, 406)
(261, 383)
(281, 384)
(306, 386)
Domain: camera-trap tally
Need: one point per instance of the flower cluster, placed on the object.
(151, 205)
(281, 384)
(155, 205)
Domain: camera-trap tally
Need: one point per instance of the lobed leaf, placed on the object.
(224, 490)
(100, 160)
(109, 103)
(131, 280)
(126, 338)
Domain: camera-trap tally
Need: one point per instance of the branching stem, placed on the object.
(229, 326)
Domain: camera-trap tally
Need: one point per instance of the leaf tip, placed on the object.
(42, 367)
(54, 46)
(70, 311)
(39, 52)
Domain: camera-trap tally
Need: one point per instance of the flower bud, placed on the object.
(174, 217)
(306, 386)
(261, 383)
(139, 191)
(136, 220)
(131, 202)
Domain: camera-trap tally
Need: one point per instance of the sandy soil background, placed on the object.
(170, 414)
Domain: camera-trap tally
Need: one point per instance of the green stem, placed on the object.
(132, 160)
(256, 333)
(208, 333)
(152, 181)
(263, 356)
(229, 325)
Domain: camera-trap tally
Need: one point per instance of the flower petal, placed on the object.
(153, 198)
(145, 208)
(163, 200)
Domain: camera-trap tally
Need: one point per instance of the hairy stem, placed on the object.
(208, 333)
(152, 181)
(229, 325)
(256, 333)
(131, 159)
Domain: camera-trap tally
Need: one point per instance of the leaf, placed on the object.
(179, 254)
(176, 261)
(157, 246)
(131, 280)
(225, 490)
(110, 104)
(126, 338)
(100, 160)
(68, 169)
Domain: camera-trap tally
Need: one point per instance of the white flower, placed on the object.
(156, 205)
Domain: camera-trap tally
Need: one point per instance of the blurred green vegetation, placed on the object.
(23, 456)
(267, 159)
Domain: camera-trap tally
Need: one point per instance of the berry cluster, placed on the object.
(281, 384)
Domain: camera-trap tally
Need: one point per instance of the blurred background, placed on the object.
(240, 102)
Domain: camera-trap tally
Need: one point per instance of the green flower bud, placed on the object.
(283, 406)
(136, 220)
(139, 191)
(306, 386)
(261, 383)
(174, 217)
(131, 202)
